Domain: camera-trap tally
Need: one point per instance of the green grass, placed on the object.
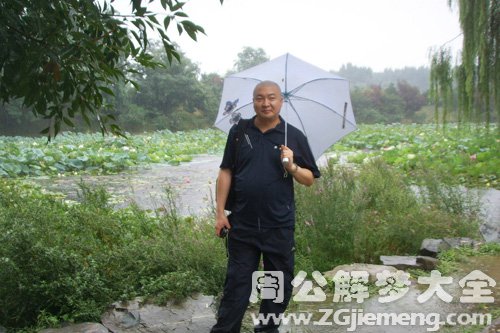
(451, 260)
(357, 215)
(459, 261)
(68, 263)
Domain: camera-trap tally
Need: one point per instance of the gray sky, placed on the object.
(327, 33)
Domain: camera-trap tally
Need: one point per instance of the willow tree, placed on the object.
(476, 75)
(441, 87)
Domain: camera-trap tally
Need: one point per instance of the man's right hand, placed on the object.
(221, 221)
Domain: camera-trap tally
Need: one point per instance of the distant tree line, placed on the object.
(394, 95)
(365, 76)
(177, 96)
(395, 103)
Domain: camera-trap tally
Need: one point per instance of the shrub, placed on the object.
(357, 215)
(69, 262)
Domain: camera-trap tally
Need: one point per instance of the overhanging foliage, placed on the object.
(60, 57)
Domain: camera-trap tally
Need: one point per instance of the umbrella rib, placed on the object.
(303, 128)
(286, 74)
(234, 76)
(318, 79)
(325, 106)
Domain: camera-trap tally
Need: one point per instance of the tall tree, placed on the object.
(171, 92)
(357, 75)
(477, 74)
(60, 57)
(441, 89)
(212, 83)
(412, 98)
(250, 57)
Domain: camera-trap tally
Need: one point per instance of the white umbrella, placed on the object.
(317, 102)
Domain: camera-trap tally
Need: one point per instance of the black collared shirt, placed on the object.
(264, 191)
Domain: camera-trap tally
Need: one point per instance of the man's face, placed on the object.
(267, 102)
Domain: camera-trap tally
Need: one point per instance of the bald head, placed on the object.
(266, 83)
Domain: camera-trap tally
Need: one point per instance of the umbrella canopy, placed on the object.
(315, 101)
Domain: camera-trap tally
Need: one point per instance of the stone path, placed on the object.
(197, 314)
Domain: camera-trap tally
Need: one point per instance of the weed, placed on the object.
(62, 262)
(356, 215)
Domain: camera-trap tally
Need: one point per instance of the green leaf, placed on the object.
(153, 19)
(177, 6)
(86, 118)
(151, 25)
(90, 46)
(68, 122)
(166, 22)
(107, 90)
(136, 36)
(190, 28)
(110, 116)
(57, 127)
(135, 84)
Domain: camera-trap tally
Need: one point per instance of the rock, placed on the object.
(193, 315)
(400, 262)
(461, 242)
(77, 328)
(405, 262)
(490, 231)
(371, 269)
(427, 263)
(431, 247)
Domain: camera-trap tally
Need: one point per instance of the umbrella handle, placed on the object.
(285, 160)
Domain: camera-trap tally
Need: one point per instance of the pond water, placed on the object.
(193, 186)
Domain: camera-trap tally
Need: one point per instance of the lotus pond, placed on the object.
(470, 157)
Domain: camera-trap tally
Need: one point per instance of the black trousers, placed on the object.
(245, 247)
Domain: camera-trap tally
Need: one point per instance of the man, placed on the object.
(262, 218)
